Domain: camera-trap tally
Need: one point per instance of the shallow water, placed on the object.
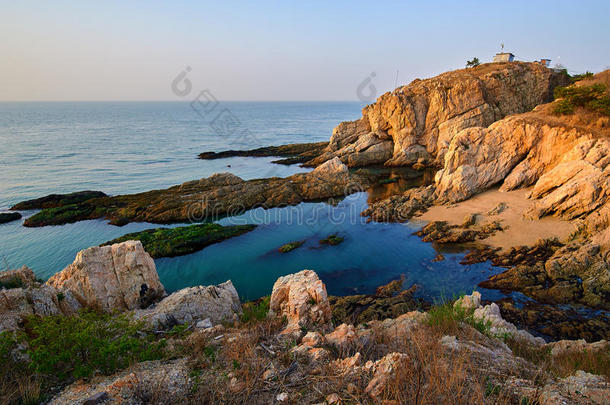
(132, 147)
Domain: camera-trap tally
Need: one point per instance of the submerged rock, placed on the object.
(118, 277)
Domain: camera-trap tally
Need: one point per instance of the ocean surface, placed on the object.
(127, 147)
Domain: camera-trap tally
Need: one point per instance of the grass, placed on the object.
(14, 282)
(593, 98)
(62, 348)
(171, 242)
(257, 310)
(447, 318)
(288, 247)
(332, 240)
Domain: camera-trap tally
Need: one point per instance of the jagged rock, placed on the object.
(210, 198)
(469, 302)
(23, 277)
(385, 370)
(215, 304)
(419, 121)
(302, 299)
(568, 347)
(346, 335)
(165, 381)
(499, 327)
(117, 277)
(579, 388)
(400, 208)
(42, 300)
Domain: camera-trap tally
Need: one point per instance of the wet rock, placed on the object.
(117, 277)
(182, 240)
(442, 232)
(211, 198)
(6, 217)
(498, 209)
(358, 309)
(302, 299)
(58, 200)
(293, 153)
(400, 208)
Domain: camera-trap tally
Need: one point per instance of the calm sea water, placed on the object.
(126, 147)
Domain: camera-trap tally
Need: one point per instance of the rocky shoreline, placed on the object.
(208, 347)
(481, 127)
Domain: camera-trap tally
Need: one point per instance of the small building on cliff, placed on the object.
(504, 57)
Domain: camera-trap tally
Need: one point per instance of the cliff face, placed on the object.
(417, 122)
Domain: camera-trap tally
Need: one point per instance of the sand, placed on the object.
(520, 231)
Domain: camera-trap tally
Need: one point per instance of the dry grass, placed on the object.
(563, 365)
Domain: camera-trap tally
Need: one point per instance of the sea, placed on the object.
(129, 147)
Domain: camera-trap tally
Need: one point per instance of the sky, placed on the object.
(276, 50)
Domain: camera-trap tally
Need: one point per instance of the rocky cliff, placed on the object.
(417, 122)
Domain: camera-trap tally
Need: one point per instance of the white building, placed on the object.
(504, 57)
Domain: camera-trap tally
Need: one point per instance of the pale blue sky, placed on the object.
(268, 50)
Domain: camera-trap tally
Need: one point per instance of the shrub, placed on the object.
(88, 343)
(473, 63)
(593, 98)
(582, 76)
(255, 310)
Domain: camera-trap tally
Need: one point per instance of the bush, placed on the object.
(255, 310)
(88, 343)
(582, 76)
(593, 98)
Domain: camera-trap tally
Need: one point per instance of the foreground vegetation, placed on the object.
(56, 350)
(170, 242)
(251, 362)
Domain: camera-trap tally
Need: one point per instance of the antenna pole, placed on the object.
(396, 80)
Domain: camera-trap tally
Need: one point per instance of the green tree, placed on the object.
(473, 63)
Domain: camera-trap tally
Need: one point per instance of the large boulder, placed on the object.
(218, 303)
(302, 299)
(108, 278)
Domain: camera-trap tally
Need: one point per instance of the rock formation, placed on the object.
(28, 297)
(302, 299)
(210, 198)
(420, 120)
(108, 278)
(217, 304)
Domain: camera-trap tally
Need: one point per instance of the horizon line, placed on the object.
(177, 101)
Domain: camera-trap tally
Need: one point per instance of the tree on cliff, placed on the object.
(473, 63)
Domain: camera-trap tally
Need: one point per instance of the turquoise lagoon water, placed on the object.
(131, 146)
